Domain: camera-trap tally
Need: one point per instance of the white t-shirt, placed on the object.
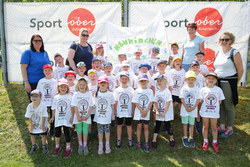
(132, 78)
(178, 80)
(112, 82)
(224, 67)
(190, 96)
(61, 105)
(37, 114)
(143, 97)
(117, 69)
(92, 90)
(169, 81)
(83, 101)
(161, 98)
(135, 64)
(150, 83)
(78, 77)
(100, 73)
(200, 81)
(123, 96)
(59, 72)
(210, 107)
(204, 69)
(103, 104)
(72, 89)
(48, 88)
(153, 63)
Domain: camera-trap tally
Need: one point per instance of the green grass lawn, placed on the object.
(15, 141)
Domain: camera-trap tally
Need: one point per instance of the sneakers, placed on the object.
(154, 145)
(215, 146)
(85, 150)
(205, 145)
(56, 151)
(80, 150)
(220, 130)
(138, 145)
(191, 143)
(130, 143)
(172, 143)
(226, 133)
(198, 127)
(146, 148)
(45, 149)
(67, 153)
(118, 144)
(108, 150)
(33, 149)
(185, 142)
(100, 149)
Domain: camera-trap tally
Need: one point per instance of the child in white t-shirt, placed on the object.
(108, 67)
(212, 97)
(48, 87)
(178, 75)
(123, 108)
(153, 61)
(70, 76)
(81, 68)
(118, 67)
(38, 117)
(164, 110)
(190, 98)
(174, 54)
(99, 52)
(62, 116)
(61, 69)
(104, 101)
(199, 56)
(126, 68)
(82, 102)
(143, 100)
(135, 63)
(144, 70)
(97, 65)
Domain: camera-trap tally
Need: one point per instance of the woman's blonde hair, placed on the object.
(231, 36)
(83, 30)
(58, 90)
(77, 85)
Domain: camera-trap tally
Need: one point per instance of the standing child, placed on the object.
(135, 63)
(108, 67)
(199, 56)
(174, 49)
(97, 65)
(126, 68)
(154, 60)
(82, 103)
(212, 97)
(61, 69)
(190, 98)
(71, 77)
(62, 116)
(38, 117)
(144, 70)
(178, 75)
(104, 101)
(164, 110)
(81, 67)
(121, 58)
(123, 108)
(47, 86)
(143, 100)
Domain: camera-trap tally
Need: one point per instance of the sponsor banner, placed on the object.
(57, 23)
(212, 18)
(128, 39)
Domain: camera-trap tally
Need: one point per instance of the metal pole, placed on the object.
(3, 43)
(125, 13)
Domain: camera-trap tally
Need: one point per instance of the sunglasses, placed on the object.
(85, 35)
(37, 40)
(227, 39)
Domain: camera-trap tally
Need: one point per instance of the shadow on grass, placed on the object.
(234, 151)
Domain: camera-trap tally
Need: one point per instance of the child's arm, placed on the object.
(196, 104)
(184, 104)
(89, 113)
(166, 109)
(133, 109)
(79, 119)
(139, 108)
(53, 117)
(31, 125)
(113, 108)
(43, 122)
(148, 109)
(156, 109)
(72, 115)
(220, 101)
(115, 105)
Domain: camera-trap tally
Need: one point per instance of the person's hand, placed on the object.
(170, 58)
(71, 120)
(158, 114)
(163, 114)
(85, 118)
(202, 73)
(51, 120)
(43, 128)
(27, 87)
(79, 119)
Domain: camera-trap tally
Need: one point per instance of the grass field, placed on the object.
(15, 141)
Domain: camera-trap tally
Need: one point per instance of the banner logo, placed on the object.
(209, 57)
(209, 22)
(81, 18)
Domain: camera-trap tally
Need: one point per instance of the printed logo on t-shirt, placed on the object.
(211, 100)
(62, 74)
(136, 68)
(62, 107)
(82, 107)
(47, 90)
(111, 85)
(160, 104)
(102, 105)
(35, 120)
(177, 82)
(124, 99)
(154, 67)
(189, 99)
(143, 101)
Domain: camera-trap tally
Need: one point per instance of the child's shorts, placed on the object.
(128, 121)
(146, 122)
(37, 134)
(103, 128)
(188, 120)
(176, 99)
(82, 127)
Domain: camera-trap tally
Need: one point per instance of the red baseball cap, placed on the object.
(70, 72)
(47, 66)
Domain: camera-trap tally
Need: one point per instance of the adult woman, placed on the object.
(191, 46)
(80, 52)
(32, 62)
(229, 72)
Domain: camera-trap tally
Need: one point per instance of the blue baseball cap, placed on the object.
(145, 65)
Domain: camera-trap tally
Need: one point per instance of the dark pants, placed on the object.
(168, 127)
(58, 132)
(33, 87)
(52, 125)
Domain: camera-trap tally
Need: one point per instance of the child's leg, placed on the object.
(191, 121)
(129, 127)
(33, 139)
(79, 129)
(146, 132)
(169, 129)
(213, 122)
(138, 131)
(198, 118)
(185, 130)
(43, 139)
(85, 134)
(100, 133)
(205, 128)
(58, 136)
(67, 136)
(179, 106)
(119, 128)
(156, 129)
(52, 127)
(184, 121)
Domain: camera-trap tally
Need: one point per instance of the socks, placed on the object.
(100, 143)
(214, 141)
(80, 143)
(57, 146)
(84, 144)
(67, 147)
(107, 142)
(205, 140)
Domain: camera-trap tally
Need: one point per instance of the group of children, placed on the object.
(127, 92)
